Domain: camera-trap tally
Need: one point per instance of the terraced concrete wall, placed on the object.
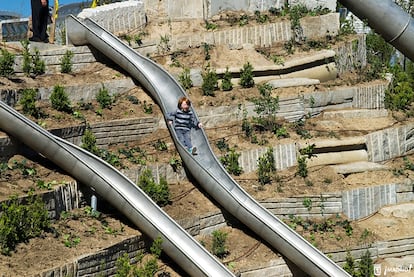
(262, 35)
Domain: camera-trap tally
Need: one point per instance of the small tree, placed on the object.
(39, 66)
(6, 63)
(349, 265)
(366, 265)
(246, 76)
(266, 106)
(89, 142)
(103, 98)
(28, 102)
(27, 58)
(226, 84)
(160, 193)
(66, 62)
(60, 100)
(32, 64)
(219, 247)
(231, 162)
(185, 80)
(266, 167)
(210, 82)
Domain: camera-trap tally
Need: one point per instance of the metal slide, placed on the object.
(388, 19)
(205, 167)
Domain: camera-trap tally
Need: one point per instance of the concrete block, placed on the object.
(117, 17)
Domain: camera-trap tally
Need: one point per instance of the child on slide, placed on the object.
(184, 120)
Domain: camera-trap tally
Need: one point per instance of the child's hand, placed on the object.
(170, 122)
(200, 125)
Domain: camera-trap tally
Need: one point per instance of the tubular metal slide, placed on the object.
(304, 258)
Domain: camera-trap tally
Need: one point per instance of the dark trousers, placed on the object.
(40, 17)
(184, 136)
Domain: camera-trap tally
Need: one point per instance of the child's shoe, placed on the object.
(194, 150)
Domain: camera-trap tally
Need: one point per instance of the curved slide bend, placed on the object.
(205, 167)
(116, 189)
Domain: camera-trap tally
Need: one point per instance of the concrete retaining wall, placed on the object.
(118, 18)
(259, 36)
(205, 9)
(390, 143)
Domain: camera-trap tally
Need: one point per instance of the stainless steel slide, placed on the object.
(116, 189)
(205, 167)
(388, 19)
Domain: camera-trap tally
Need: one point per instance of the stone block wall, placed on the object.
(119, 17)
(362, 202)
(390, 143)
(206, 9)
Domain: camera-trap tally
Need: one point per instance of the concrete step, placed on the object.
(356, 167)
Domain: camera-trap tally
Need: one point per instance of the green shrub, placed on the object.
(210, 26)
(366, 265)
(210, 82)
(104, 99)
(39, 66)
(243, 20)
(147, 107)
(28, 102)
(302, 169)
(222, 145)
(27, 58)
(176, 163)
(185, 80)
(247, 127)
(266, 167)
(266, 107)
(160, 145)
(66, 62)
(219, 247)
(246, 76)
(160, 193)
(144, 268)
(60, 100)
(226, 84)
(6, 63)
(206, 48)
(261, 18)
(231, 162)
(89, 142)
(350, 265)
(20, 222)
(282, 132)
(32, 64)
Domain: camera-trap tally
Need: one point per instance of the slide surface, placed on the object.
(205, 167)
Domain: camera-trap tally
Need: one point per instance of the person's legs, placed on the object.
(36, 7)
(184, 137)
(44, 17)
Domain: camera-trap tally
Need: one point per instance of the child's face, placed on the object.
(185, 106)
